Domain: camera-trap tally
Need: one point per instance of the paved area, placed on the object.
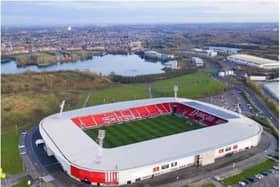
(232, 100)
(268, 181)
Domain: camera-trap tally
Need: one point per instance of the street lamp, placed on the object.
(175, 89)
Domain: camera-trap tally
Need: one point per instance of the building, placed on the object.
(225, 50)
(84, 160)
(173, 64)
(226, 72)
(206, 52)
(273, 89)
(157, 56)
(197, 62)
(257, 77)
(253, 61)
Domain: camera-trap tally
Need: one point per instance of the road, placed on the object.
(261, 105)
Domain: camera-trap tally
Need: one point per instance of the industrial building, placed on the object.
(206, 52)
(253, 61)
(197, 62)
(173, 64)
(157, 56)
(85, 160)
(225, 50)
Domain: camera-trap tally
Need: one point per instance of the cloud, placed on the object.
(139, 11)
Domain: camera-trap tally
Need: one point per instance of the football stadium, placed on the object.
(126, 142)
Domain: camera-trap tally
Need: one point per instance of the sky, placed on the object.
(42, 13)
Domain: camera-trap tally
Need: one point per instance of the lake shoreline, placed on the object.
(121, 64)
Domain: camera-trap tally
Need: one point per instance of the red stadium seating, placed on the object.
(142, 112)
(99, 119)
(87, 121)
(77, 121)
(167, 106)
(162, 109)
(135, 113)
(127, 115)
(153, 110)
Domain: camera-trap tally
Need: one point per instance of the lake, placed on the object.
(126, 65)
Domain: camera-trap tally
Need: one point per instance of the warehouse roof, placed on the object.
(255, 59)
(79, 149)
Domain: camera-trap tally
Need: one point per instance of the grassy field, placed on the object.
(190, 86)
(27, 98)
(249, 172)
(119, 92)
(194, 85)
(141, 130)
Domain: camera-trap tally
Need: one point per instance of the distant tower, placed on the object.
(101, 136)
(69, 28)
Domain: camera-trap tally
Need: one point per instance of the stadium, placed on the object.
(126, 142)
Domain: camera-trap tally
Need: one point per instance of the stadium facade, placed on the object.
(83, 159)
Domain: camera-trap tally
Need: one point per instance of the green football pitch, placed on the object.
(141, 130)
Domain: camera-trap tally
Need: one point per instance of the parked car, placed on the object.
(259, 176)
(264, 173)
(276, 168)
(217, 178)
(251, 179)
(272, 171)
(242, 183)
(246, 181)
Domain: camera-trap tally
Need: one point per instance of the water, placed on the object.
(126, 65)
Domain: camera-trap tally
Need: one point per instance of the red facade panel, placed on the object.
(91, 176)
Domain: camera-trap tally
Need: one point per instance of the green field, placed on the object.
(249, 172)
(195, 85)
(141, 130)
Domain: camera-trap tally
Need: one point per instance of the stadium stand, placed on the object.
(148, 111)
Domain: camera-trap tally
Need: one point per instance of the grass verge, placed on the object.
(249, 172)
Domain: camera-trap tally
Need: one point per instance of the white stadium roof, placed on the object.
(79, 149)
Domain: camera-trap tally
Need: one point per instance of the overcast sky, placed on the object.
(125, 12)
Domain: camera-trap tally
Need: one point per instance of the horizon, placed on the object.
(96, 13)
(142, 24)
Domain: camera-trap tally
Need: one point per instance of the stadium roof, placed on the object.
(80, 150)
(215, 111)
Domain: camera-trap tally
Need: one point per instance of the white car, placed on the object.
(217, 178)
(241, 183)
(259, 176)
